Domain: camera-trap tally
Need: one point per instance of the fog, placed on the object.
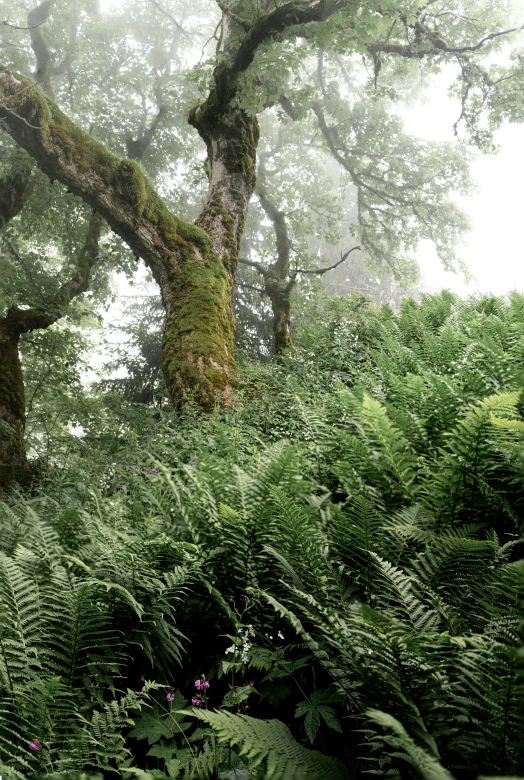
(493, 252)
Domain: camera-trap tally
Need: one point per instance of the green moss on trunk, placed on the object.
(198, 344)
(13, 462)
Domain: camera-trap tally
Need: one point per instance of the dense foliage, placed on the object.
(320, 582)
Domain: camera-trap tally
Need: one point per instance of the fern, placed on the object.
(426, 765)
(270, 741)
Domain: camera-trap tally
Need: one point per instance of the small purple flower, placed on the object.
(170, 696)
(246, 707)
(33, 745)
(141, 701)
(196, 701)
(251, 683)
(201, 685)
(142, 679)
(156, 470)
(134, 468)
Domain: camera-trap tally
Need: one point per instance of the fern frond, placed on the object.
(271, 741)
(427, 766)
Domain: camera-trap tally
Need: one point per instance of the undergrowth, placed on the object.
(323, 582)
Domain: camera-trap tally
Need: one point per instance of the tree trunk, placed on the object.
(13, 462)
(231, 139)
(279, 293)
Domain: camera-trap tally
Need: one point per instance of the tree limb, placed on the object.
(227, 73)
(116, 188)
(257, 266)
(137, 147)
(279, 222)
(438, 45)
(25, 320)
(321, 271)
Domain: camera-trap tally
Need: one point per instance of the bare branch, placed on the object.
(26, 320)
(257, 266)
(246, 286)
(438, 44)
(320, 271)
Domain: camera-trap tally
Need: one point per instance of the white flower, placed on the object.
(280, 635)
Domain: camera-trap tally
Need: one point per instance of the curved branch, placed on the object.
(235, 62)
(438, 44)
(320, 271)
(116, 188)
(25, 320)
(278, 218)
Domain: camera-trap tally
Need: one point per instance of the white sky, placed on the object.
(494, 252)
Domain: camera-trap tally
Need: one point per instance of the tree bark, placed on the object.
(13, 462)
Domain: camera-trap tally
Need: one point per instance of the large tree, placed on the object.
(259, 47)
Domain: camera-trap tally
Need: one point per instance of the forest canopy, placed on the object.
(270, 526)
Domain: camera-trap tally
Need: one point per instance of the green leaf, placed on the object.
(163, 750)
(153, 727)
(173, 767)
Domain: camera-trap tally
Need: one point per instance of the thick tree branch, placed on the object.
(237, 61)
(115, 188)
(25, 320)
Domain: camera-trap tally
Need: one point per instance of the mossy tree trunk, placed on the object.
(13, 460)
(194, 265)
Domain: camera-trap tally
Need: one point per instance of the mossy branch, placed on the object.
(116, 188)
(228, 71)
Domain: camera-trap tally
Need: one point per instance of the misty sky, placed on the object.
(494, 253)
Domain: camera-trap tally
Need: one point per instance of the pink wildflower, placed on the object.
(33, 745)
(170, 696)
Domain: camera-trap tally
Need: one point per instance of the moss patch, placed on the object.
(199, 339)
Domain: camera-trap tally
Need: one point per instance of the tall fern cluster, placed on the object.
(331, 572)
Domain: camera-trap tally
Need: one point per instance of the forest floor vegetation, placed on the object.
(323, 581)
